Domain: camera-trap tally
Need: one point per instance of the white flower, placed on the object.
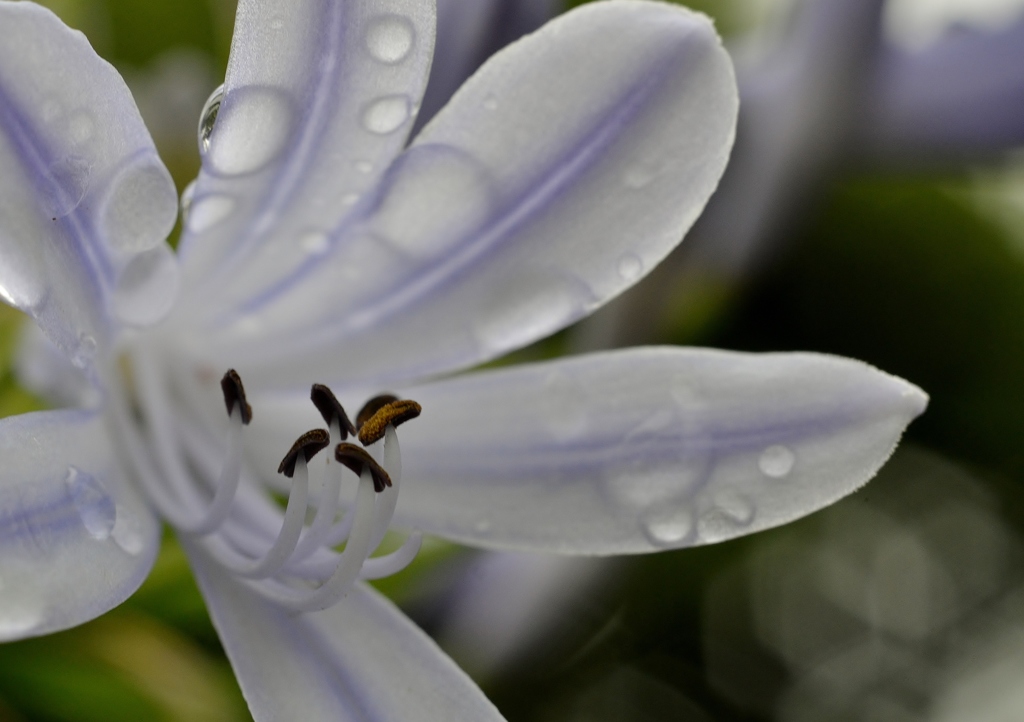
(320, 249)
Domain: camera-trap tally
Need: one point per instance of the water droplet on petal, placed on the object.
(69, 181)
(349, 199)
(389, 38)
(315, 243)
(127, 532)
(630, 266)
(252, 129)
(668, 526)
(147, 287)
(276, 23)
(731, 511)
(186, 200)
(94, 505)
(85, 351)
(491, 102)
(81, 127)
(386, 114)
(363, 166)
(208, 118)
(482, 526)
(206, 212)
(140, 209)
(776, 461)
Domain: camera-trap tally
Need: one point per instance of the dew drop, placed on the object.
(81, 127)
(730, 514)
(776, 461)
(315, 243)
(363, 166)
(482, 526)
(386, 114)
(667, 527)
(208, 118)
(186, 200)
(206, 212)
(491, 102)
(389, 38)
(70, 178)
(349, 199)
(253, 128)
(147, 287)
(93, 503)
(276, 23)
(85, 351)
(140, 208)
(630, 266)
(127, 532)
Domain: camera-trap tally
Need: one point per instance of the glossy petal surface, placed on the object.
(319, 98)
(85, 202)
(361, 660)
(75, 539)
(552, 181)
(638, 450)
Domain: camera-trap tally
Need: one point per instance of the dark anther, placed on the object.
(390, 414)
(234, 393)
(329, 407)
(309, 444)
(357, 459)
(371, 407)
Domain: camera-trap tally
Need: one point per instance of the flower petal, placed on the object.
(566, 168)
(84, 198)
(961, 98)
(645, 449)
(319, 98)
(75, 539)
(359, 660)
(469, 32)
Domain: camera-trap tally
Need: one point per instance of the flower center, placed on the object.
(199, 489)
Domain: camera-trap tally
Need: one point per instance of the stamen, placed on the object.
(234, 393)
(393, 413)
(396, 561)
(310, 444)
(372, 406)
(358, 460)
(332, 411)
(392, 461)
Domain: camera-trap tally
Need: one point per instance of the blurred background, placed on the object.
(873, 208)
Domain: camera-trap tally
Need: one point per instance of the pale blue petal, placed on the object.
(75, 538)
(85, 202)
(631, 451)
(359, 661)
(960, 99)
(469, 32)
(319, 98)
(559, 175)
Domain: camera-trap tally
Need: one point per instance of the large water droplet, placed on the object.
(639, 176)
(253, 125)
(564, 412)
(389, 38)
(147, 287)
(630, 267)
(94, 505)
(206, 212)
(69, 181)
(668, 526)
(731, 513)
(208, 118)
(386, 114)
(140, 209)
(776, 461)
(127, 532)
